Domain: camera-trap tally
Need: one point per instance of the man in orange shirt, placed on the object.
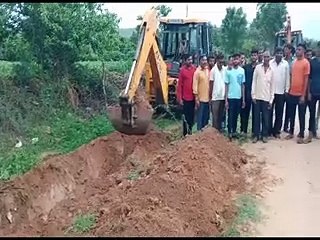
(297, 92)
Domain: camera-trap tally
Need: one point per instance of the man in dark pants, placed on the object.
(234, 87)
(281, 73)
(245, 112)
(314, 93)
(297, 93)
(200, 87)
(217, 92)
(288, 52)
(311, 132)
(229, 66)
(185, 95)
(262, 97)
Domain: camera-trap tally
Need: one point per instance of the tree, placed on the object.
(269, 20)
(311, 43)
(233, 29)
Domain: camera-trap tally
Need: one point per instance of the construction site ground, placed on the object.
(161, 185)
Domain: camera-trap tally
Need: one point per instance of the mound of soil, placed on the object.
(136, 186)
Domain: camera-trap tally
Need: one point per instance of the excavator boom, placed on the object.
(135, 113)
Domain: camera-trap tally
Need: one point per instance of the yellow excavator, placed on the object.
(287, 36)
(161, 45)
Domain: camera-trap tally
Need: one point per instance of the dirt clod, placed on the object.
(193, 199)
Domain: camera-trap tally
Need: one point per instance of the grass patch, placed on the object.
(134, 175)
(248, 211)
(84, 223)
(63, 134)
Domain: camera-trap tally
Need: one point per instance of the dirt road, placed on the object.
(292, 207)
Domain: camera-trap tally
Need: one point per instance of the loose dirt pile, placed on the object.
(136, 186)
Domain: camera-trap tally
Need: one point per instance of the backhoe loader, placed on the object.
(287, 36)
(161, 45)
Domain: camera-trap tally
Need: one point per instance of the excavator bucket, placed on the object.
(131, 119)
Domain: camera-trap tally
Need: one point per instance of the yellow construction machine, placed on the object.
(161, 45)
(287, 36)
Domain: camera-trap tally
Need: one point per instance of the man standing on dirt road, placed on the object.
(314, 94)
(288, 52)
(201, 92)
(262, 97)
(245, 112)
(281, 72)
(297, 92)
(217, 91)
(234, 92)
(312, 133)
(185, 94)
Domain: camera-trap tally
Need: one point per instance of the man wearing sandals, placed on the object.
(297, 92)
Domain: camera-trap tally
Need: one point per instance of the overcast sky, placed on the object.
(304, 16)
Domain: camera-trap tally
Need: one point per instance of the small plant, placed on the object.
(134, 175)
(84, 223)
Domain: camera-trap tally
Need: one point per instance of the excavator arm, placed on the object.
(147, 60)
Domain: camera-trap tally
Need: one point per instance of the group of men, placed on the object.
(264, 87)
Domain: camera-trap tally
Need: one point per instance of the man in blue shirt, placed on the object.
(234, 88)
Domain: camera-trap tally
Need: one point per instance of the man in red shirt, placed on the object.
(185, 94)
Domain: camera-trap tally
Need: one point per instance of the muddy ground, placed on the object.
(135, 185)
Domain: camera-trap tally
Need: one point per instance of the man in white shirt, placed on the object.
(281, 73)
(262, 97)
(217, 92)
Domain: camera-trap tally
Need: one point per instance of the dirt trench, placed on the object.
(136, 186)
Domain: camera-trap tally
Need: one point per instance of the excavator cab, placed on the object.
(287, 36)
(282, 39)
(183, 36)
(177, 37)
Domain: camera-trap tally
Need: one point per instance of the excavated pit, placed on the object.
(182, 188)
